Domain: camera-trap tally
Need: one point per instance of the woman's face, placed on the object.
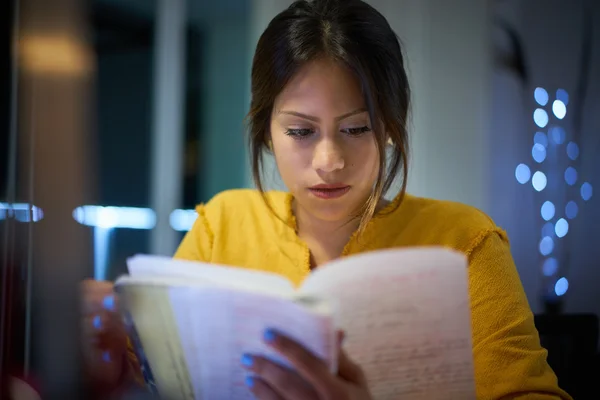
(322, 140)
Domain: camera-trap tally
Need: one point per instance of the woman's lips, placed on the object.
(328, 192)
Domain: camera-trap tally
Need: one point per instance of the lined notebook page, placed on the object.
(407, 320)
(217, 326)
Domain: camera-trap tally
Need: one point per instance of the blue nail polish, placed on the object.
(269, 335)
(106, 356)
(249, 381)
(247, 360)
(109, 302)
(97, 322)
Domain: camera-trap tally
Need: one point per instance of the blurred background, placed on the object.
(117, 117)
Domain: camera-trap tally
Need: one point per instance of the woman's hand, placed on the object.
(312, 379)
(104, 337)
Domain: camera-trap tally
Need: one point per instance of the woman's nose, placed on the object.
(328, 156)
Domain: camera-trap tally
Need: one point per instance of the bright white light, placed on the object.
(540, 138)
(558, 134)
(571, 209)
(539, 181)
(559, 109)
(522, 173)
(540, 117)
(183, 220)
(562, 95)
(561, 228)
(21, 212)
(115, 217)
(546, 246)
(586, 191)
(570, 176)
(107, 217)
(572, 150)
(538, 152)
(548, 229)
(548, 210)
(550, 266)
(101, 252)
(541, 96)
(561, 286)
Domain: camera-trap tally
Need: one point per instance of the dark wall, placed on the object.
(5, 79)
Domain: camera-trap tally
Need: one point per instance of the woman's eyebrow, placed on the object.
(317, 119)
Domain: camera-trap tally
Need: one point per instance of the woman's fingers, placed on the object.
(310, 368)
(272, 380)
(104, 338)
(263, 391)
(349, 370)
(97, 296)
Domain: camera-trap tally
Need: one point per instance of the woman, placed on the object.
(330, 100)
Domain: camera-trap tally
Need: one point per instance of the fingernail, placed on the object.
(247, 360)
(249, 381)
(109, 302)
(106, 356)
(97, 322)
(269, 335)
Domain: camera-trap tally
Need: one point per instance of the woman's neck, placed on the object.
(326, 240)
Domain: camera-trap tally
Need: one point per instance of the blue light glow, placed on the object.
(562, 95)
(22, 212)
(557, 134)
(561, 286)
(571, 209)
(541, 96)
(561, 228)
(115, 217)
(540, 138)
(548, 210)
(538, 152)
(183, 220)
(570, 176)
(559, 109)
(540, 117)
(550, 266)
(522, 173)
(572, 150)
(548, 229)
(586, 191)
(539, 181)
(546, 245)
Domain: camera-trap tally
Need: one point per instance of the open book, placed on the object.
(405, 314)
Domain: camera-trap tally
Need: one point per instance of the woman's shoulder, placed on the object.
(235, 205)
(460, 214)
(426, 221)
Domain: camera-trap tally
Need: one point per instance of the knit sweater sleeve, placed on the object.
(510, 363)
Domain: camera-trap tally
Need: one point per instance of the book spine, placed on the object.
(138, 350)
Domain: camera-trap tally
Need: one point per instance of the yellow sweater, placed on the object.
(237, 228)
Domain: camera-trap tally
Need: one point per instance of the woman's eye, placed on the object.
(356, 131)
(299, 133)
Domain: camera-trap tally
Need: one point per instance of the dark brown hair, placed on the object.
(354, 34)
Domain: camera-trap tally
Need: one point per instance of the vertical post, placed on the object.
(56, 74)
(167, 130)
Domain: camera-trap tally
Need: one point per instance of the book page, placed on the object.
(217, 326)
(407, 320)
(182, 271)
(149, 321)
